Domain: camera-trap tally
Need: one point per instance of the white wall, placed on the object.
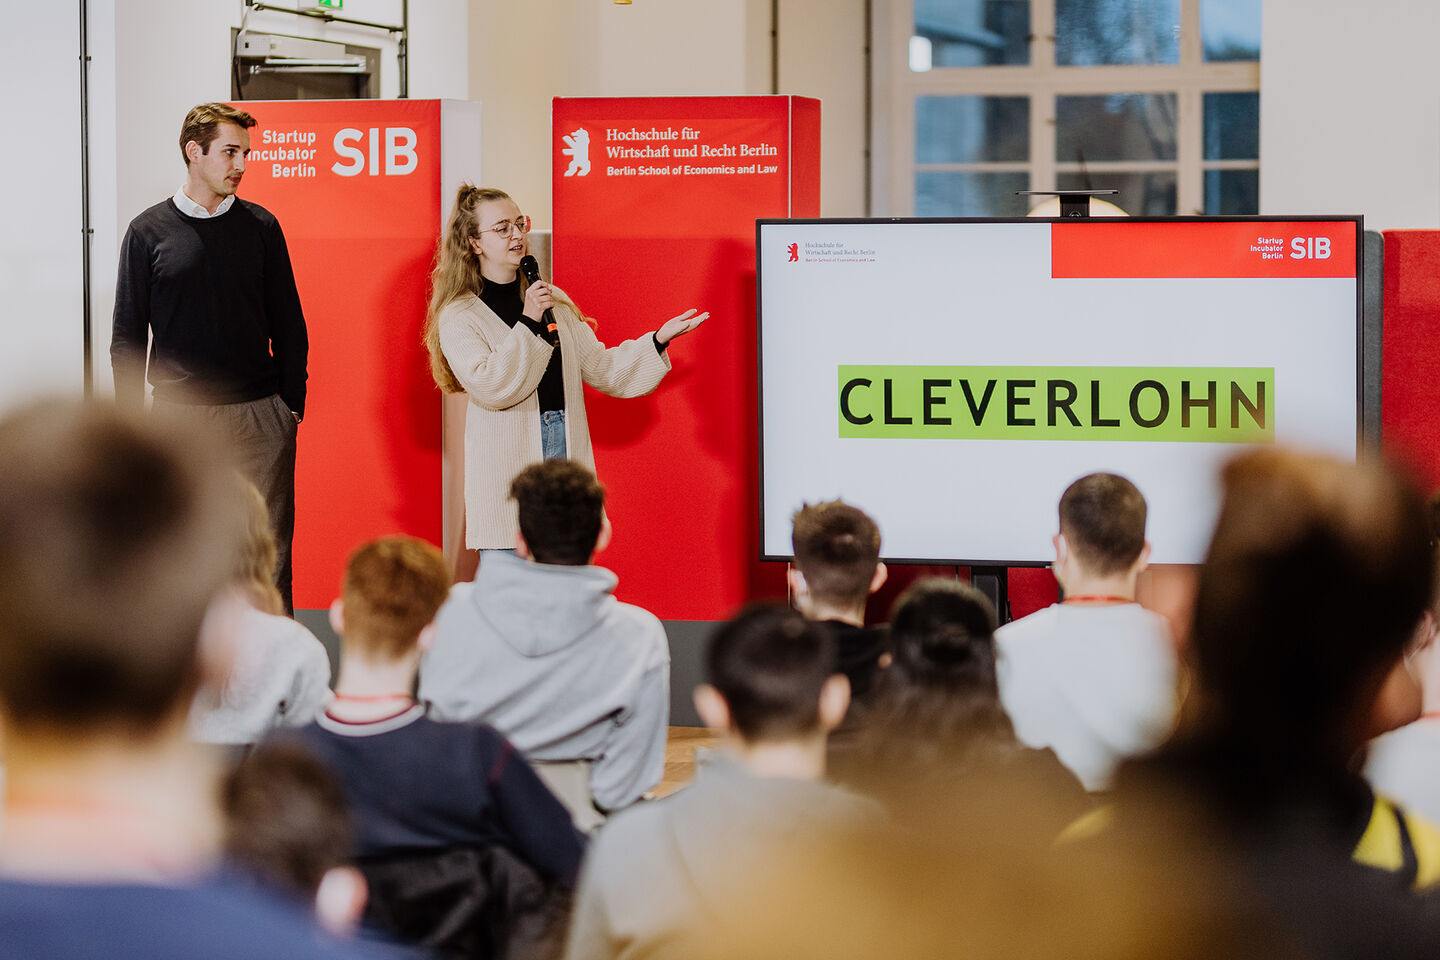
(1350, 110)
(522, 55)
(40, 248)
(822, 54)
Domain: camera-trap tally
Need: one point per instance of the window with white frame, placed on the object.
(1156, 98)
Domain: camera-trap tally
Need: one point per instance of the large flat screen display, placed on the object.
(953, 377)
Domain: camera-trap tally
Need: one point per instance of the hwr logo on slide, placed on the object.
(577, 148)
(794, 251)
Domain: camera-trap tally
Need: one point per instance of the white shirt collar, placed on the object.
(192, 209)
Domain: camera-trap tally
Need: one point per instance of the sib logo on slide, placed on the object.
(1310, 248)
(1187, 404)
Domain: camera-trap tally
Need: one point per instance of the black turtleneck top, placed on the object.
(505, 300)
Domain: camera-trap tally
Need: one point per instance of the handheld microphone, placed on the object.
(531, 268)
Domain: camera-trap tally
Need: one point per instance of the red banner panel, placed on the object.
(655, 209)
(357, 187)
(1315, 248)
(1409, 419)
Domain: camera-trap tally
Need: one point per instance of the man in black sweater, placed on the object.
(208, 276)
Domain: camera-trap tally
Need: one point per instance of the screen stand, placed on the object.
(1073, 203)
(994, 582)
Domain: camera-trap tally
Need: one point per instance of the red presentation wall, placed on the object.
(357, 188)
(664, 219)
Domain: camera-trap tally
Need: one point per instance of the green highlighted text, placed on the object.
(1194, 404)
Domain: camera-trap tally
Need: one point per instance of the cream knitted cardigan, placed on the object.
(500, 368)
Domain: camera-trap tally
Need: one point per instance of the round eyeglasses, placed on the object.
(519, 224)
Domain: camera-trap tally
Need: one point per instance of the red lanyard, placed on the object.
(373, 698)
(1098, 599)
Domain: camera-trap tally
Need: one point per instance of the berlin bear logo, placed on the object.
(577, 148)
(794, 251)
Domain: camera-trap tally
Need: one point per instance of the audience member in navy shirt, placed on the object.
(415, 784)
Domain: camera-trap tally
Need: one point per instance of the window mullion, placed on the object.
(902, 116)
(1192, 47)
(1189, 146)
(1042, 98)
(1042, 139)
(902, 155)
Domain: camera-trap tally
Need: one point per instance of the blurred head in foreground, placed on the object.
(115, 533)
(287, 823)
(1316, 579)
(869, 891)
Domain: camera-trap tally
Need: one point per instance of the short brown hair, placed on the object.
(393, 588)
(562, 507)
(286, 819)
(837, 548)
(202, 124)
(1102, 518)
(116, 531)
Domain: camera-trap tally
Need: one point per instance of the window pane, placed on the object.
(1141, 194)
(974, 33)
(1120, 126)
(1232, 126)
(1232, 191)
(1100, 32)
(1230, 29)
(971, 129)
(970, 194)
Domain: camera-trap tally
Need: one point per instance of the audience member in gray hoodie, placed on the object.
(539, 647)
(663, 877)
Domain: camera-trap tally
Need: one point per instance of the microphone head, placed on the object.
(530, 267)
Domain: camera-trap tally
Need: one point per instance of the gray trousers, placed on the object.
(260, 435)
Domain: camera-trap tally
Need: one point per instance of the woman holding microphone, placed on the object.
(520, 349)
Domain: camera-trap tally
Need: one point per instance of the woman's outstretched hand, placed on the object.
(675, 326)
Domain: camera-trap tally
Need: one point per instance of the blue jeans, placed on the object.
(552, 435)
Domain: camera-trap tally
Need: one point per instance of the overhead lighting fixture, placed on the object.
(922, 54)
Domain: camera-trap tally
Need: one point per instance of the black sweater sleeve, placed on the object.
(288, 338)
(129, 332)
(544, 834)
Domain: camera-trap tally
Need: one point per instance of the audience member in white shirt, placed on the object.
(1093, 677)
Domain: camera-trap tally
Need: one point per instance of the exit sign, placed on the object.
(330, 4)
